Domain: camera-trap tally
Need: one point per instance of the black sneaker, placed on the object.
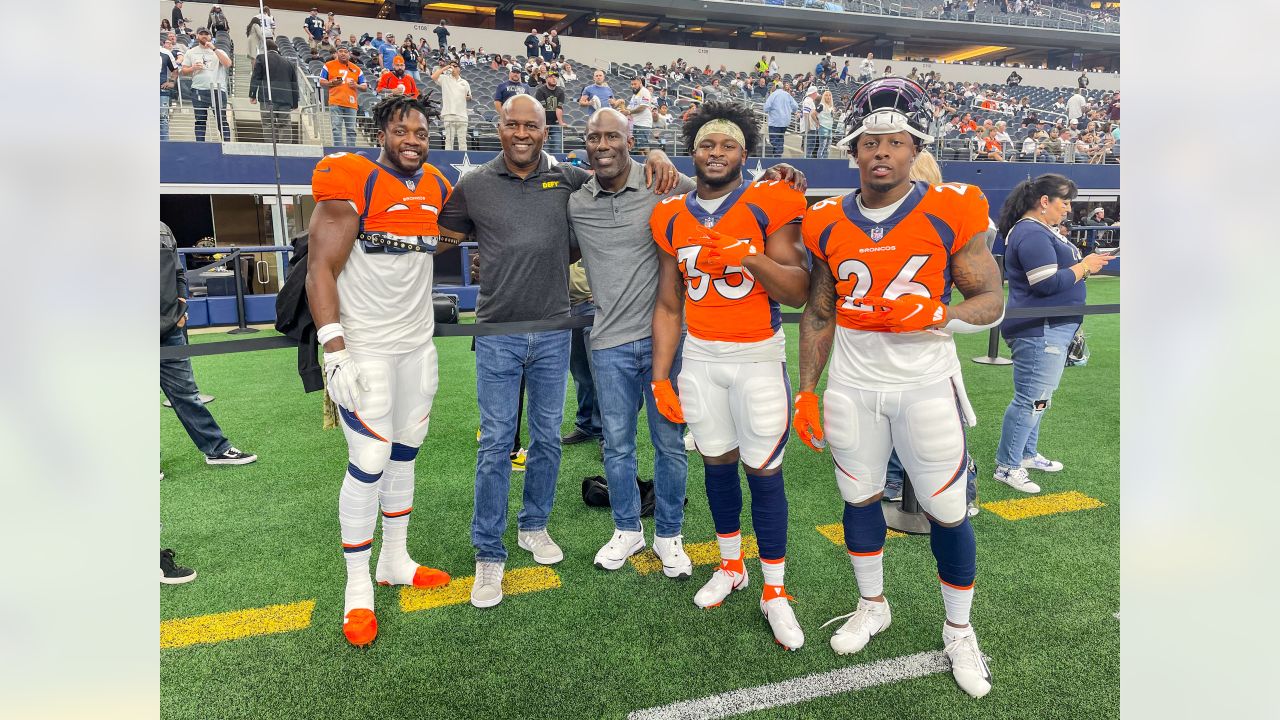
(575, 437)
(172, 573)
(232, 456)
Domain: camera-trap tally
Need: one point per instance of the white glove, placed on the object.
(344, 381)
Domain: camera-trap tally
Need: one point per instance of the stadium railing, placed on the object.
(1057, 18)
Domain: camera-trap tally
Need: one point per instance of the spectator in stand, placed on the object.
(809, 122)
(640, 110)
(217, 21)
(597, 94)
(988, 147)
(1075, 107)
(551, 96)
(1002, 134)
(1082, 82)
(867, 68)
(313, 24)
(551, 45)
(1053, 146)
(714, 92)
(268, 22)
(662, 120)
(690, 111)
(773, 65)
(1014, 79)
(1033, 148)
(763, 65)
(332, 29)
(409, 51)
(531, 44)
(568, 75)
(279, 97)
(846, 73)
(826, 123)
(967, 123)
(168, 81)
(511, 87)
(396, 81)
(454, 95)
(343, 79)
(165, 26)
(257, 40)
(387, 50)
(442, 37)
(1113, 108)
(206, 64)
(176, 18)
(779, 109)
(888, 71)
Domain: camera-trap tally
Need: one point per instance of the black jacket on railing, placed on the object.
(293, 317)
(173, 282)
(284, 81)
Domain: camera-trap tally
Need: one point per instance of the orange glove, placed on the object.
(909, 313)
(664, 396)
(808, 421)
(722, 250)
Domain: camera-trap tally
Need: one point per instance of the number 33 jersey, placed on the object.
(907, 253)
(730, 315)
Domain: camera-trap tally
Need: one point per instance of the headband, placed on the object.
(724, 127)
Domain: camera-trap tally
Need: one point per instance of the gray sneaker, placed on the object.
(545, 550)
(487, 589)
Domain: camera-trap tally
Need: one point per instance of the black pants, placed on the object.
(276, 116)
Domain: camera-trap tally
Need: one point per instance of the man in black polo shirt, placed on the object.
(516, 206)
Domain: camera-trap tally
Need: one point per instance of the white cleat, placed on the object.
(487, 589)
(621, 546)
(722, 583)
(545, 550)
(870, 619)
(782, 620)
(675, 562)
(1016, 478)
(967, 664)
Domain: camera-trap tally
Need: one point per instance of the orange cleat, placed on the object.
(360, 626)
(429, 577)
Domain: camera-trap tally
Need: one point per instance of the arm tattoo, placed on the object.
(817, 325)
(975, 273)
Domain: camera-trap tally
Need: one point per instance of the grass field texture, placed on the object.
(585, 643)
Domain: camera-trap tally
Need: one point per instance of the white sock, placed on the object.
(357, 516)
(730, 546)
(957, 602)
(773, 571)
(395, 491)
(869, 571)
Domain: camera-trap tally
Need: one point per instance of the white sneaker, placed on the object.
(967, 664)
(973, 508)
(782, 620)
(1040, 462)
(545, 550)
(722, 583)
(487, 590)
(675, 563)
(870, 619)
(1016, 478)
(621, 546)
(689, 445)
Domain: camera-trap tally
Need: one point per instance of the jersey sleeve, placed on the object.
(662, 221)
(972, 217)
(337, 178)
(811, 232)
(785, 205)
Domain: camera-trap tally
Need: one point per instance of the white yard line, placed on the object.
(801, 689)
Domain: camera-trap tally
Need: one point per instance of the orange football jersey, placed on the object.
(907, 254)
(386, 200)
(733, 307)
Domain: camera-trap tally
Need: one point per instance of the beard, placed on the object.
(882, 187)
(734, 175)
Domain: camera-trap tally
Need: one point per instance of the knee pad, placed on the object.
(864, 528)
(691, 401)
(769, 514)
(840, 420)
(936, 430)
(769, 407)
(956, 552)
(367, 454)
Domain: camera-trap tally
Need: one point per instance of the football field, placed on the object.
(258, 634)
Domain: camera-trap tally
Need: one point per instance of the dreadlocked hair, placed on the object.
(744, 116)
(394, 107)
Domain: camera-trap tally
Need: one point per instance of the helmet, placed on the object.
(1078, 350)
(888, 105)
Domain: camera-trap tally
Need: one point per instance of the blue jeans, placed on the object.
(338, 117)
(555, 139)
(1037, 367)
(824, 143)
(777, 136)
(626, 371)
(164, 115)
(205, 100)
(588, 419)
(179, 386)
(542, 359)
(895, 475)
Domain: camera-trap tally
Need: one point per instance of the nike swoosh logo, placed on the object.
(913, 312)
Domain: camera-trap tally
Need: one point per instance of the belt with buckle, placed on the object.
(381, 242)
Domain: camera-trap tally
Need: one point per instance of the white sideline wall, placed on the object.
(595, 52)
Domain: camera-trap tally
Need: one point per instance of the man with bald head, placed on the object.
(516, 207)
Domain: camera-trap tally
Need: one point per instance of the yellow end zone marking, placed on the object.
(1023, 508)
(835, 533)
(515, 582)
(705, 553)
(219, 627)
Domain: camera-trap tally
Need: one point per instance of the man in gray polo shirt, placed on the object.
(516, 207)
(610, 221)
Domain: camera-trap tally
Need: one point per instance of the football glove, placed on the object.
(909, 313)
(344, 381)
(722, 250)
(664, 396)
(808, 421)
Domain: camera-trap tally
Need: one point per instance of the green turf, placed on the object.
(607, 643)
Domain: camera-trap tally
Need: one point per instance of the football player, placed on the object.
(885, 259)
(731, 252)
(369, 278)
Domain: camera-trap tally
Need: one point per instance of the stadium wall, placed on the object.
(600, 52)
